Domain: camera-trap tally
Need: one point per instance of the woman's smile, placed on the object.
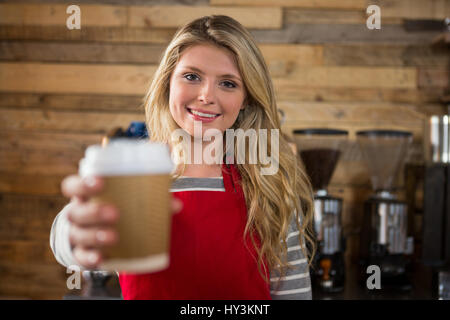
(202, 115)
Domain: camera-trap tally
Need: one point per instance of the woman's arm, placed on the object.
(59, 238)
(296, 284)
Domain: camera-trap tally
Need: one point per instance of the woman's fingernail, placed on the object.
(92, 258)
(101, 236)
(89, 181)
(108, 213)
(178, 205)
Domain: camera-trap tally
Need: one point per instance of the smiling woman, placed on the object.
(214, 73)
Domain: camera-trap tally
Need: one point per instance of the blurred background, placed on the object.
(62, 90)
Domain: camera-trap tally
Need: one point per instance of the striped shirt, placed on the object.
(295, 285)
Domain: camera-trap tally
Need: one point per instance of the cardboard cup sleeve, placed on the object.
(144, 224)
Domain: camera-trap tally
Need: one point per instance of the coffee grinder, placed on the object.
(436, 204)
(320, 150)
(384, 241)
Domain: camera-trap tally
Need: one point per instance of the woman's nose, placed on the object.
(207, 93)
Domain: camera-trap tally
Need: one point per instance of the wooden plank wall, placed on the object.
(61, 90)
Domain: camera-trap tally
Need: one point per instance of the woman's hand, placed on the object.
(93, 225)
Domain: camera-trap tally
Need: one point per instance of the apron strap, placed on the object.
(232, 179)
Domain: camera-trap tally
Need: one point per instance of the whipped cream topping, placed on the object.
(126, 157)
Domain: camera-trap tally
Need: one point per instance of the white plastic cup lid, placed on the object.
(126, 157)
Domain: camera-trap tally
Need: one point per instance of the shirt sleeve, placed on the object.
(59, 239)
(296, 284)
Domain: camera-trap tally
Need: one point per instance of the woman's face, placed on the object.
(206, 86)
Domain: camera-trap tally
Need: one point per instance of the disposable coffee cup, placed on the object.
(137, 178)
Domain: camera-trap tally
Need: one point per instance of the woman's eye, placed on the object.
(194, 77)
(190, 76)
(229, 84)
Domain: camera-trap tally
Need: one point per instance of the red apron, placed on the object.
(208, 258)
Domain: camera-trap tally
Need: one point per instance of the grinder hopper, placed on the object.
(320, 150)
(384, 152)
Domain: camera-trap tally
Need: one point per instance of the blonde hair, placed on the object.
(272, 200)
